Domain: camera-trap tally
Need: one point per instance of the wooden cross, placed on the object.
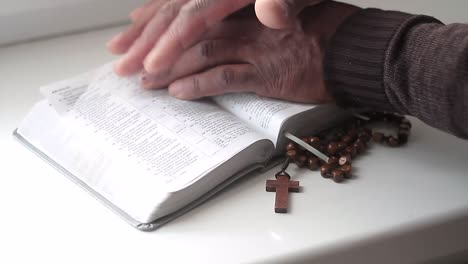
(282, 186)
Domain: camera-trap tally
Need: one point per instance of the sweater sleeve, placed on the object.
(411, 64)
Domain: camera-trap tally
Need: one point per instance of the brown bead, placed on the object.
(361, 141)
(392, 141)
(378, 137)
(347, 139)
(313, 163)
(338, 176)
(325, 170)
(332, 148)
(351, 150)
(347, 171)
(344, 160)
(314, 142)
(359, 146)
(333, 161)
(342, 146)
(290, 146)
(322, 148)
(291, 154)
(306, 139)
(301, 161)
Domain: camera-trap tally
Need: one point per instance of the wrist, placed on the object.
(322, 21)
(355, 58)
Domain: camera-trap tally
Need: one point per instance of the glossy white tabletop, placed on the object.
(405, 205)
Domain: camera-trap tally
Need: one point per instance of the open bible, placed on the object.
(151, 157)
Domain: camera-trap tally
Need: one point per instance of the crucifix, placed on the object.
(282, 186)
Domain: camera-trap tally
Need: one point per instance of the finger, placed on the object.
(216, 81)
(123, 41)
(141, 10)
(187, 28)
(136, 13)
(280, 14)
(132, 61)
(206, 54)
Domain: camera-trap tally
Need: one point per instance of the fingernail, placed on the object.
(176, 90)
(150, 81)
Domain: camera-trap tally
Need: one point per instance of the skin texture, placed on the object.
(240, 54)
(162, 30)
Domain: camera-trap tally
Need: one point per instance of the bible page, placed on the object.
(135, 146)
(176, 141)
(266, 115)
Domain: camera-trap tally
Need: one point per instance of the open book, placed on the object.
(151, 157)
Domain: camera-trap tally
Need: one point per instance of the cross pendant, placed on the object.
(282, 186)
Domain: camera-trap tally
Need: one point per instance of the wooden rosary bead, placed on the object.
(347, 139)
(333, 160)
(322, 148)
(359, 146)
(325, 170)
(338, 176)
(291, 154)
(291, 146)
(361, 141)
(351, 150)
(347, 171)
(313, 163)
(392, 141)
(314, 142)
(378, 137)
(332, 148)
(344, 160)
(342, 146)
(301, 161)
(306, 139)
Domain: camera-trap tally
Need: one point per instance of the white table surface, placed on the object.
(405, 205)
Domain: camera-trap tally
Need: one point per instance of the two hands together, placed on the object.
(201, 48)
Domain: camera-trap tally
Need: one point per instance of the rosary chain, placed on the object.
(343, 144)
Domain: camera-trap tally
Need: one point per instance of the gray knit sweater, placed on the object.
(404, 63)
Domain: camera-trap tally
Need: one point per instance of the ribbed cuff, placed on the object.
(355, 57)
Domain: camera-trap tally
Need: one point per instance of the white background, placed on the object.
(29, 19)
(45, 218)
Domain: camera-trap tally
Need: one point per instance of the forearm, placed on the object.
(403, 63)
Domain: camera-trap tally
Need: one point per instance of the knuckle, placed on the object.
(207, 49)
(228, 76)
(197, 5)
(195, 86)
(171, 8)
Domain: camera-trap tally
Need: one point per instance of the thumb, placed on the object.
(279, 14)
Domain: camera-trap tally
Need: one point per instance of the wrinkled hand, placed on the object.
(241, 55)
(162, 30)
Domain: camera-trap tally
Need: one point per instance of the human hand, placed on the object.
(241, 55)
(162, 30)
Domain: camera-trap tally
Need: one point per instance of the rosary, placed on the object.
(333, 150)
